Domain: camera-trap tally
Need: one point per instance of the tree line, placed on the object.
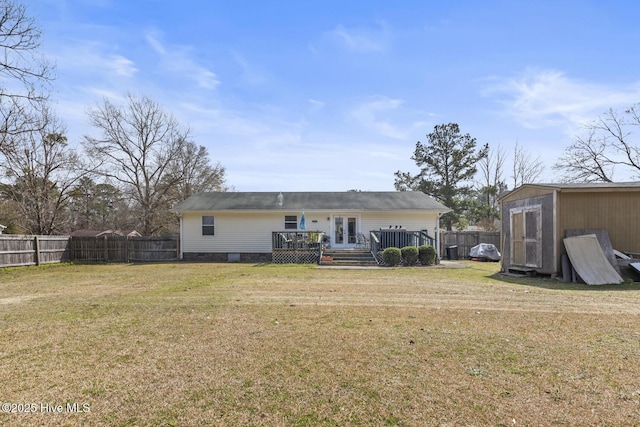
(137, 163)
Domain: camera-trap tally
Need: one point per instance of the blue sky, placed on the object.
(333, 95)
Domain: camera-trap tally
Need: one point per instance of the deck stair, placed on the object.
(349, 257)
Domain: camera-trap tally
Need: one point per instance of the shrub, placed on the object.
(409, 255)
(427, 254)
(391, 256)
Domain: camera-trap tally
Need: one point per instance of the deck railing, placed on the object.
(297, 239)
(296, 246)
(379, 240)
(399, 238)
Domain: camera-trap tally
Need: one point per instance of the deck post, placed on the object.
(36, 247)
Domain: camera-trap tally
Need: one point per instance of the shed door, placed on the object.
(526, 236)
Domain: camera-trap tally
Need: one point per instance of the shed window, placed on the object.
(290, 222)
(208, 226)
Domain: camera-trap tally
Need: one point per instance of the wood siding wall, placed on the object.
(527, 193)
(616, 212)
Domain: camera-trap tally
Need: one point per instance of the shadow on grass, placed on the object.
(545, 282)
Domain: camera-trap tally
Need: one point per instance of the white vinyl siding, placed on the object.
(251, 231)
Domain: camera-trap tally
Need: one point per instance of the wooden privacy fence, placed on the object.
(35, 250)
(18, 251)
(124, 249)
(465, 240)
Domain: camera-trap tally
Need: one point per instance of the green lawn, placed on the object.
(265, 345)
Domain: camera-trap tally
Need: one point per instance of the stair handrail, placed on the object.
(374, 245)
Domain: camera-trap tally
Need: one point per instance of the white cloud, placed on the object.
(156, 45)
(543, 98)
(361, 40)
(316, 105)
(122, 66)
(178, 61)
(375, 114)
(251, 74)
(95, 59)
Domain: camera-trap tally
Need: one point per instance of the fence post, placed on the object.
(36, 247)
(106, 249)
(126, 249)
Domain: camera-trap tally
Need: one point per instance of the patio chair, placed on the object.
(286, 241)
(362, 241)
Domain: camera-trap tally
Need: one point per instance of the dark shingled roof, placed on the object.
(310, 201)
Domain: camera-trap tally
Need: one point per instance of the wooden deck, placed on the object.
(308, 247)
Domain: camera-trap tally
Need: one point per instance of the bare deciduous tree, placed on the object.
(585, 160)
(526, 168)
(25, 73)
(43, 169)
(606, 148)
(489, 187)
(138, 147)
(198, 173)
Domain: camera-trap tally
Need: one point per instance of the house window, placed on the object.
(208, 226)
(290, 222)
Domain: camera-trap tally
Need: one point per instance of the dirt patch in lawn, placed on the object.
(17, 299)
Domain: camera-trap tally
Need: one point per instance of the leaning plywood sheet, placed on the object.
(603, 239)
(589, 261)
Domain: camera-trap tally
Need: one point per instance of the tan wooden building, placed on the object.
(535, 218)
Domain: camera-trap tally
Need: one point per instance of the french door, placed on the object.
(344, 232)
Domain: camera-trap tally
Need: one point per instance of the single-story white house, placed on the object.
(246, 226)
(2, 228)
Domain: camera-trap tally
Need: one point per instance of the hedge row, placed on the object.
(409, 255)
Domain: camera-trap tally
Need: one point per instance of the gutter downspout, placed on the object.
(181, 238)
(438, 237)
(556, 239)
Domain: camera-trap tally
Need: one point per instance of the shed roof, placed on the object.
(579, 187)
(310, 201)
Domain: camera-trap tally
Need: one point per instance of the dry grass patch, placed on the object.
(218, 344)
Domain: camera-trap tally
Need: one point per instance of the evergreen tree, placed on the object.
(447, 163)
